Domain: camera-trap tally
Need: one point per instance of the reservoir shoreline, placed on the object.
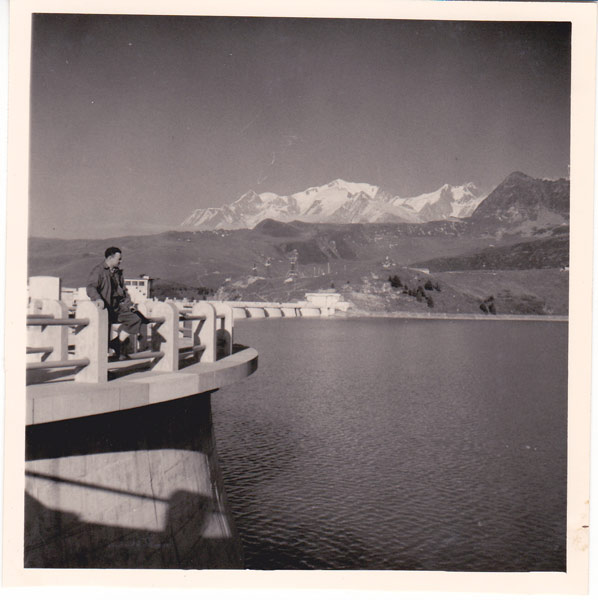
(454, 316)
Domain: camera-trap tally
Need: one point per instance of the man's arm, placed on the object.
(93, 283)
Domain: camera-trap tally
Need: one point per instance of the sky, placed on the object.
(136, 121)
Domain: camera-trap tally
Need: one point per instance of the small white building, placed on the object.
(327, 302)
(140, 289)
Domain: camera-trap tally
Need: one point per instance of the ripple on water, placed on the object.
(387, 444)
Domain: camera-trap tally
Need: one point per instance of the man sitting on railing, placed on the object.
(105, 286)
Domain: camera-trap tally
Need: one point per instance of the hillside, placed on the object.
(513, 292)
(350, 257)
(209, 257)
(545, 253)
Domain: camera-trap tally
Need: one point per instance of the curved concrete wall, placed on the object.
(136, 488)
(308, 311)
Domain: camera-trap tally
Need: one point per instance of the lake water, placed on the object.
(398, 444)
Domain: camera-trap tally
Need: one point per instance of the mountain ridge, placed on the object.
(339, 201)
(520, 198)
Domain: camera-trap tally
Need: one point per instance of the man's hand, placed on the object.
(99, 303)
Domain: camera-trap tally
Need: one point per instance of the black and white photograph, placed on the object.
(304, 291)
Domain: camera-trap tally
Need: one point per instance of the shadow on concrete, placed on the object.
(57, 538)
(223, 342)
(45, 376)
(185, 424)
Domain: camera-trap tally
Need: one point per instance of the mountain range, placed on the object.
(514, 246)
(339, 202)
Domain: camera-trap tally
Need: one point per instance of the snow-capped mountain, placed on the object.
(339, 202)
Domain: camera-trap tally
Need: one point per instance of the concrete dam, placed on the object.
(121, 466)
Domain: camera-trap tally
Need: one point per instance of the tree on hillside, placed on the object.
(488, 306)
(395, 281)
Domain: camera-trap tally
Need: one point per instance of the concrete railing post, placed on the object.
(225, 330)
(91, 342)
(145, 308)
(48, 336)
(165, 336)
(44, 287)
(204, 332)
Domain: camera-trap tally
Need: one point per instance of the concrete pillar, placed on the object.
(44, 287)
(204, 332)
(165, 337)
(92, 342)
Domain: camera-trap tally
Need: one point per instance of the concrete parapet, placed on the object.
(91, 342)
(40, 336)
(56, 401)
(256, 313)
(289, 312)
(273, 311)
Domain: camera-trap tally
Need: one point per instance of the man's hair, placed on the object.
(112, 251)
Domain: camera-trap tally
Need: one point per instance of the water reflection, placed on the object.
(387, 444)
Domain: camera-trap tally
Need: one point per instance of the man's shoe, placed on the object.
(115, 346)
(125, 346)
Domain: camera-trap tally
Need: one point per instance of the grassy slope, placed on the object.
(548, 252)
(515, 292)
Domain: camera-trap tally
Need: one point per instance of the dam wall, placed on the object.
(121, 468)
(125, 474)
(138, 488)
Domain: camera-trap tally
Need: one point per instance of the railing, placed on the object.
(269, 309)
(77, 346)
(179, 332)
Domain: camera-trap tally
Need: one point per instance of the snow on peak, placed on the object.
(339, 201)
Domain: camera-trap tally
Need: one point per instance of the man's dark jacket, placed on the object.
(101, 287)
